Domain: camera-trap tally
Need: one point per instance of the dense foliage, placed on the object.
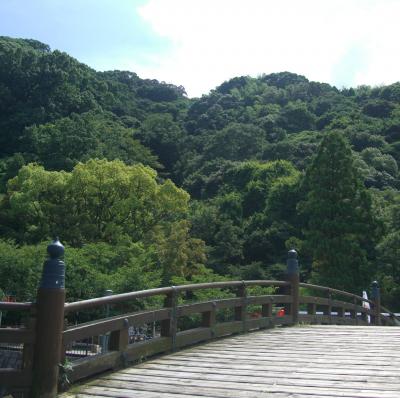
(108, 160)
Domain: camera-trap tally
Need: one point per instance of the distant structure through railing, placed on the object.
(60, 343)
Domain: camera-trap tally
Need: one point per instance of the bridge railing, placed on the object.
(96, 335)
(16, 346)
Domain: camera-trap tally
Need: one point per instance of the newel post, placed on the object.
(169, 327)
(50, 323)
(376, 298)
(294, 278)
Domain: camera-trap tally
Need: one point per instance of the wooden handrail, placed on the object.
(391, 314)
(7, 306)
(335, 291)
(118, 298)
(334, 311)
(112, 342)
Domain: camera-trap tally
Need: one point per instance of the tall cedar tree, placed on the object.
(341, 228)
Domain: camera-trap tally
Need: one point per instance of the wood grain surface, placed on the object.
(287, 362)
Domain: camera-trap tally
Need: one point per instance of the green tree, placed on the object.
(340, 226)
(97, 201)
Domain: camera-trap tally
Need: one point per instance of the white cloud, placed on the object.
(214, 40)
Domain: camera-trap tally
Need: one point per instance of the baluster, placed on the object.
(355, 316)
(294, 278)
(209, 319)
(340, 312)
(312, 310)
(119, 340)
(329, 309)
(241, 311)
(28, 351)
(169, 326)
(376, 298)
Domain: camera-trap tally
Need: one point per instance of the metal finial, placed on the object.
(292, 262)
(55, 249)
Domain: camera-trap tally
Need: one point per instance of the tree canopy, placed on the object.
(147, 187)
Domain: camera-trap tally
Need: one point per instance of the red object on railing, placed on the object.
(281, 312)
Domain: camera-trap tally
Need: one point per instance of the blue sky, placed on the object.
(97, 32)
(201, 43)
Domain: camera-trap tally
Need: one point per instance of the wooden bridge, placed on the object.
(261, 358)
(278, 363)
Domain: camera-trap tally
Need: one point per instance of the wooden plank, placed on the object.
(15, 378)
(227, 303)
(264, 323)
(355, 362)
(269, 299)
(236, 382)
(230, 389)
(227, 328)
(120, 392)
(189, 309)
(192, 336)
(104, 326)
(17, 335)
(296, 359)
(272, 372)
(91, 366)
(278, 366)
(146, 349)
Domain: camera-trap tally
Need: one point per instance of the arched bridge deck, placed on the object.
(296, 362)
(258, 355)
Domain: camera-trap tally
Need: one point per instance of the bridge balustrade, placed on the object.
(80, 339)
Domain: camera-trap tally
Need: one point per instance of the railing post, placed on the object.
(354, 312)
(28, 351)
(208, 319)
(294, 278)
(104, 339)
(241, 311)
(119, 341)
(169, 327)
(329, 306)
(50, 324)
(376, 298)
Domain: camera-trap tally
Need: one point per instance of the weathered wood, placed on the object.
(281, 362)
(260, 323)
(169, 326)
(104, 326)
(241, 310)
(209, 320)
(29, 348)
(189, 309)
(15, 378)
(192, 336)
(6, 306)
(48, 342)
(123, 297)
(269, 299)
(266, 310)
(226, 328)
(119, 339)
(15, 335)
(236, 382)
(222, 389)
(89, 367)
(146, 349)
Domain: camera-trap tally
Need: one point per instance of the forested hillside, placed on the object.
(147, 187)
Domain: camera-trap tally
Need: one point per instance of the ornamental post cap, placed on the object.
(292, 253)
(55, 249)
